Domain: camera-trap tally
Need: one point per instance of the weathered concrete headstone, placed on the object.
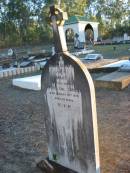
(70, 110)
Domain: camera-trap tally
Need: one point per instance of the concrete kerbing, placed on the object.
(18, 71)
(1, 75)
(21, 70)
(5, 74)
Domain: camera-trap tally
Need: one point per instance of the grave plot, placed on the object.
(117, 80)
(99, 63)
(31, 83)
(118, 63)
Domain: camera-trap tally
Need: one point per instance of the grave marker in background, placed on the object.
(70, 109)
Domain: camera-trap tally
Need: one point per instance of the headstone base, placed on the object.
(48, 166)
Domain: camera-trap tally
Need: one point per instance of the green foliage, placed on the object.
(27, 21)
(110, 14)
(74, 7)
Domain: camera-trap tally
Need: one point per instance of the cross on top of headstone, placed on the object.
(58, 14)
(57, 17)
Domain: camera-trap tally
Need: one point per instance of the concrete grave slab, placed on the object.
(125, 68)
(117, 80)
(100, 63)
(118, 63)
(31, 83)
(82, 52)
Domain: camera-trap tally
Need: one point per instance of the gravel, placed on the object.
(22, 132)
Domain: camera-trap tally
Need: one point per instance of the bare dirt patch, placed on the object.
(22, 132)
(114, 130)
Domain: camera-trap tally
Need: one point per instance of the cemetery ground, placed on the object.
(22, 132)
(114, 51)
(121, 50)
